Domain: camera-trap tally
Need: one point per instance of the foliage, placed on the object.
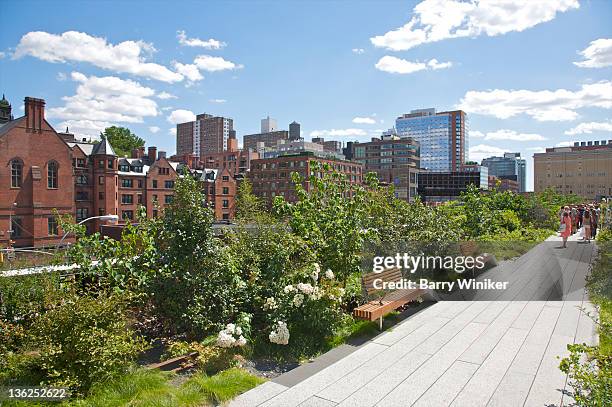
(590, 375)
(197, 288)
(329, 216)
(211, 359)
(248, 206)
(122, 140)
(79, 341)
(152, 387)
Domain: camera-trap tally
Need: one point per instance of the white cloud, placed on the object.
(126, 57)
(477, 153)
(196, 42)
(172, 131)
(358, 51)
(165, 95)
(476, 134)
(564, 144)
(61, 76)
(364, 120)
(338, 133)
(154, 129)
(2, 54)
(537, 149)
(437, 20)
(506, 135)
(80, 128)
(181, 116)
(108, 99)
(217, 100)
(590, 127)
(166, 108)
(544, 105)
(212, 64)
(190, 71)
(434, 64)
(597, 55)
(401, 66)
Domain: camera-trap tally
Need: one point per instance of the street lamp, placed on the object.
(113, 218)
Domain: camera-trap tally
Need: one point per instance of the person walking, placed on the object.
(574, 219)
(594, 222)
(565, 228)
(586, 225)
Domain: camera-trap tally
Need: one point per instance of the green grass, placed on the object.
(155, 388)
(600, 292)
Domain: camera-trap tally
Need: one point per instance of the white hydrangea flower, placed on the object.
(298, 300)
(280, 335)
(305, 288)
(270, 304)
(288, 289)
(225, 340)
(317, 293)
(230, 328)
(329, 274)
(238, 330)
(241, 341)
(315, 273)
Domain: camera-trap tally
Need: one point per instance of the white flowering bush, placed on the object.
(308, 310)
(233, 335)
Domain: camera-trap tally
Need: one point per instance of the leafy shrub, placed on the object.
(83, 340)
(590, 375)
(22, 298)
(211, 359)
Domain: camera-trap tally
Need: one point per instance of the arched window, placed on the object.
(16, 173)
(52, 174)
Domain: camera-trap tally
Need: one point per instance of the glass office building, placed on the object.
(442, 137)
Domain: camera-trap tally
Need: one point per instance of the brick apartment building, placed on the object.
(272, 176)
(395, 161)
(36, 177)
(207, 134)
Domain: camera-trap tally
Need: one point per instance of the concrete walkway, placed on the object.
(482, 352)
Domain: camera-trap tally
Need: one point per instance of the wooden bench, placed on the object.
(389, 300)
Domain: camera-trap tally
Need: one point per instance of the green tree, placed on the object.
(248, 206)
(122, 140)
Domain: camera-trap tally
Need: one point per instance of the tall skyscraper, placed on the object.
(268, 125)
(294, 131)
(511, 166)
(443, 137)
(207, 134)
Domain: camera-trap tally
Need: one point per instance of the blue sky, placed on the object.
(344, 70)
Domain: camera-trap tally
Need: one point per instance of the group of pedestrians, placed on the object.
(575, 217)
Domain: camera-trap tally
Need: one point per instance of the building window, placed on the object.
(225, 178)
(127, 199)
(52, 175)
(154, 198)
(168, 199)
(82, 196)
(101, 195)
(81, 214)
(127, 183)
(139, 183)
(16, 227)
(81, 179)
(225, 203)
(52, 226)
(225, 190)
(154, 183)
(169, 184)
(226, 216)
(101, 164)
(101, 211)
(155, 213)
(101, 180)
(140, 198)
(127, 215)
(16, 173)
(80, 162)
(110, 163)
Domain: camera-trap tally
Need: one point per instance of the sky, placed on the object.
(529, 74)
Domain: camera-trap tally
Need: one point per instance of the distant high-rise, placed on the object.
(442, 136)
(511, 166)
(207, 134)
(294, 131)
(268, 125)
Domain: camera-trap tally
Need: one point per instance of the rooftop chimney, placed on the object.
(35, 114)
(161, 154)
(152, 153)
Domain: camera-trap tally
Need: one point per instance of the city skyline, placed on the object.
(527, 81)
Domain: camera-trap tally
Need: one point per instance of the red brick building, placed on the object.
(36, 177)
(272, 176)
